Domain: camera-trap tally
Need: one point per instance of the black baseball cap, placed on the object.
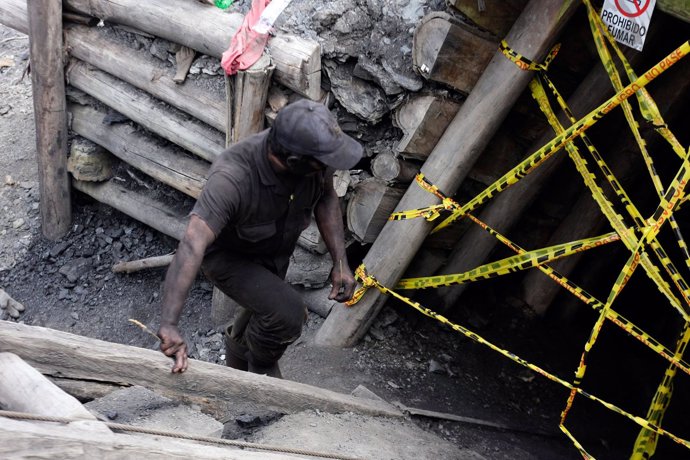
(308, 128)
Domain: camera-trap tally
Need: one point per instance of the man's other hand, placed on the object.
(173, 345)
(343, 284)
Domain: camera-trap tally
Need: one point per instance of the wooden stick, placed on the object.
(142, 264)
(47, 76)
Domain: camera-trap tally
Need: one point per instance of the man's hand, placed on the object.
(173, 345)
(343, 283)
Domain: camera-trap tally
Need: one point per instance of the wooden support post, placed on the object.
(246, 95)
(47, 76)
(368, 210)
(71, 356)
(449, 163)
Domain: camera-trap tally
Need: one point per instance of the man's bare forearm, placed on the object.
(330, 223)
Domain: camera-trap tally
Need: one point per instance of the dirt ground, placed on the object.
(68, 285)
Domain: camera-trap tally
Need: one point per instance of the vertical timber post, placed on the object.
(47, 77)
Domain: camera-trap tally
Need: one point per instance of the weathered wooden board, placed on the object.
(423, 119)
(171, 222)
(190, 134)
(448, 51)
(496, 16)
(165, 164)
(59, 353)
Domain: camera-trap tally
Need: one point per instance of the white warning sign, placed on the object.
(628, 20)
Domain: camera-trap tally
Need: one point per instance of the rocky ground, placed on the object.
(68, 285)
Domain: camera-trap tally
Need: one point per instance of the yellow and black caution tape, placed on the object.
(527, 64)
(370, 281)
(512, 264)
(541, 155)
(571, 287)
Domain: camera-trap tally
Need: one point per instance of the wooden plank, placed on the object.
(209, 31)
(48, 82)
(677, 8)
(171, 222)
(93, 47)
(250, 91)
(450, 52)
(423, 119)
(496, 16)
(448, 165)
(13, 14)
(188, 133)
(24, 389)
(19, 439)
(59, 353)
(163, 163)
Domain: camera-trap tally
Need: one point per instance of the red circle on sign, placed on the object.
(636, 5)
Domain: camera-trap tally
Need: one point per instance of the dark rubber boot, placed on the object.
(235, 352)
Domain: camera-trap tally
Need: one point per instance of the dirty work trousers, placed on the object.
(277, 310)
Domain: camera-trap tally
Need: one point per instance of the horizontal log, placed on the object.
(20, 439)
(163, 163)
(496, 16)
(189, 134)
(677, 8)
(94, 47)
(59, 353)
(142, 264)
(297, 60)
(209, 30)
(171, 222)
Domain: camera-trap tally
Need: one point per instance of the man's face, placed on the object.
(303, 165)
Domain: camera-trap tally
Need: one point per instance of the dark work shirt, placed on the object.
(250, 208)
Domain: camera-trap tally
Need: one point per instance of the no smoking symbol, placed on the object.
(632, 8)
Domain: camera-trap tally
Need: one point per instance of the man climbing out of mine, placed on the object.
(258, 198)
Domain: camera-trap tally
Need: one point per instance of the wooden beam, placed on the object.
(145, 110)
(19, 439)
(24, 389)
(166, 164)
(209, 31)
(368, 209)
(137, 69)
(171, 222)
(247, 100)
(389, 168)
(448, 51)
(449, 163)
(13, 14)
(48, 79)
(677, 8)
(59, 353)
(496, 16)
